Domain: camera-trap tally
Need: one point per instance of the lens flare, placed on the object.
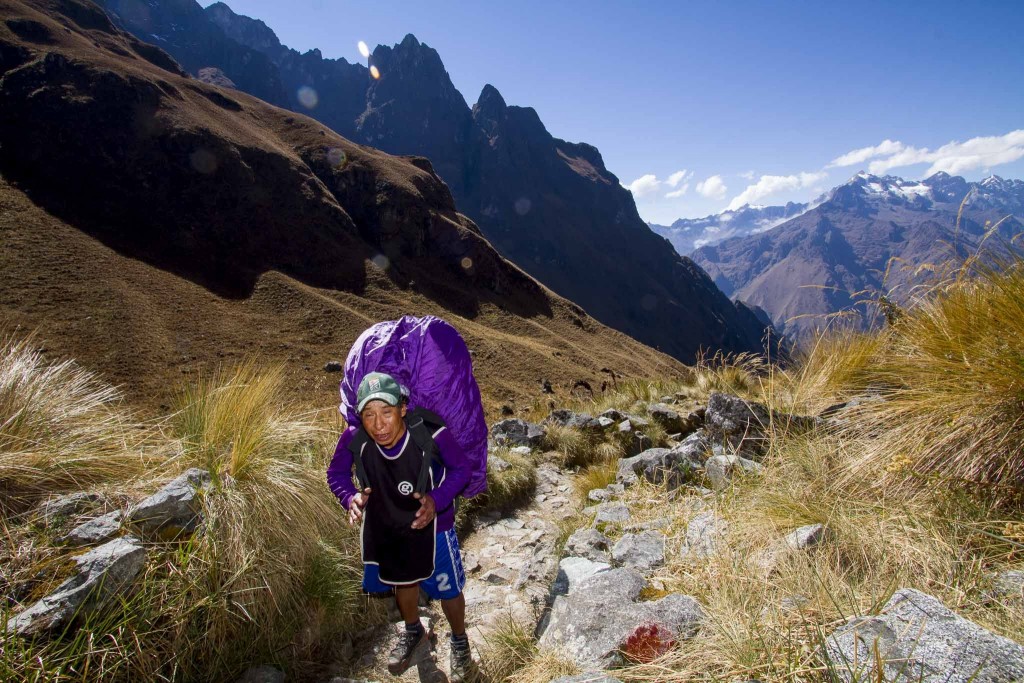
(364, 49)
(522, 206)
(203, 161)
(467, 262)
(375, 72)
(336, 157)
(381, 261)
(308, 97)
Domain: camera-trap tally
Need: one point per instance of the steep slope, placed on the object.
(687, 234)
(872, 234)
(548, 205)
(153, 225)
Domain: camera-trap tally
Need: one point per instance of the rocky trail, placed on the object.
(510, 562)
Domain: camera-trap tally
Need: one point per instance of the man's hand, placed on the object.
(425, 515)
(355, 508)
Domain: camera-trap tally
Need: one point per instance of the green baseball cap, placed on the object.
(378, 386)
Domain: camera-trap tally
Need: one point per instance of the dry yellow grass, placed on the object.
(273, 575)
(61, 429)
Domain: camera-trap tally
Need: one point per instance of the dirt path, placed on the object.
(510, 563)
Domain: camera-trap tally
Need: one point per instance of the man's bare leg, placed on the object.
(408, 600)
(455, 612)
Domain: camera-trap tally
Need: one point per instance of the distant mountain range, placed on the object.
(870, 235)
(549, 205)
(687, 234)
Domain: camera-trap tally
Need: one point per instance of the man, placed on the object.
(408, 536)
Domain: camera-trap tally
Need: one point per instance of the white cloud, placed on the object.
(712, 188)
(749, 175)
(859, 156)
(648, 185)
(676, 194)
(953, 157)
(644, 185)
(678, 177)
(773, 184)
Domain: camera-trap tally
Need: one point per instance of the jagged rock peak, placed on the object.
(409, 41)
(243, 29)
(490, 100)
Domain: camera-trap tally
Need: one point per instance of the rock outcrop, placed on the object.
(101, 573)
(592, 623)
(917, 638)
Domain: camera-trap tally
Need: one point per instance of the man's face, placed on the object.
(383, 423)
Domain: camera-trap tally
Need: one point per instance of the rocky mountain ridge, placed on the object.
(155, 226)
(549, 205)
(687, 234)
(870, 235)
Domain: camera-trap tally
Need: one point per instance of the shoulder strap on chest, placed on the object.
(422, 424)
(355, 446)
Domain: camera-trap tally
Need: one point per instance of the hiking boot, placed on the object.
(410, 646)
(462, 668)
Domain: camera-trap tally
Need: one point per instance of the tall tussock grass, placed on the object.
(276, 564)
(61, 429)
(950, 372)
(272, 574)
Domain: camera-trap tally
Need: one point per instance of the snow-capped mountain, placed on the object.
(687, 234)
(870, 234)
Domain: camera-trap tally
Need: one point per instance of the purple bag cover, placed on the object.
(428, 357)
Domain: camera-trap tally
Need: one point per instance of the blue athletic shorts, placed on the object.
(445, 583)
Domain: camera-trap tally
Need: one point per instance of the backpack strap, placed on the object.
(356, 445)
(422, 424)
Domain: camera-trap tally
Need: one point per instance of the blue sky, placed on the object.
(699, 106)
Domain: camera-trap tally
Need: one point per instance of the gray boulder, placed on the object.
(496, 463)
(60, 507)
(644, 551)
(102, 572)
(572, 571)
(704, 535)
(741, 424)
(674, 467)
(917, 638)
(96, 530)
(593, 622)
(589, 543)
(174, 508)
(669, 420)
(614, 415)
(517, 432)
(720, 469)
(611, 513)
(805, 537)
(1007, 585)
(635, 441)
(630, 469)
(568, 418)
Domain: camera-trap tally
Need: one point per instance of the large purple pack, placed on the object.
(429, 357)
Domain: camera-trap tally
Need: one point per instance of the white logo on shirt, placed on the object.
(405, 488)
